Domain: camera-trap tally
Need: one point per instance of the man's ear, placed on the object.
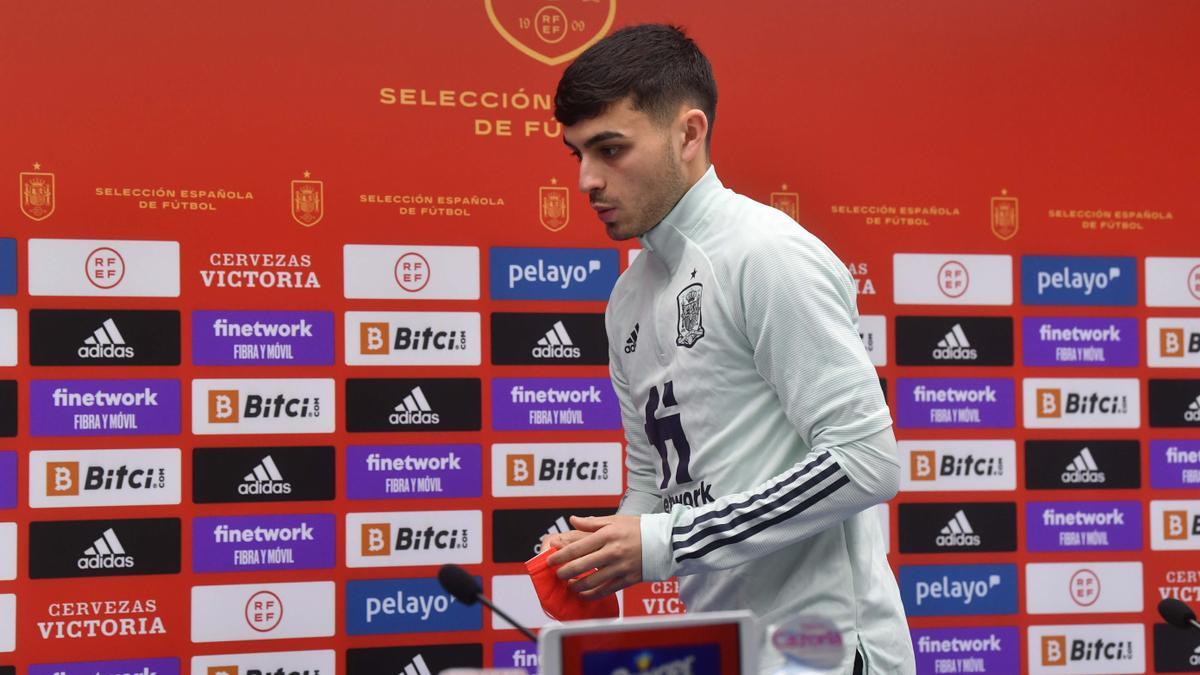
(693, 126)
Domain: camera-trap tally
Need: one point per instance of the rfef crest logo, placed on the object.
(554, 33)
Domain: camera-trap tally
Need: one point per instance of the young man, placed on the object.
(758, 434)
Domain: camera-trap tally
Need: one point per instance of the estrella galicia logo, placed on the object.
(8, 408)
(549, 339)
(552, 273)
(8, 266)
(112, 337)
(8, 479)
(1083, 526)
(1079, 341)
(267, 474)
(413, 471)
(98, 548)
(958, 527)
(258, 338)
(103, 407)
(955, 403)
(944, 590)
(122, 667)
(529, 526)
(418, 660)
(954, 341)
(1175, 403)
(1082, 465)
(1078, 280)
(406, 404)
(993, 650)
(385, 606)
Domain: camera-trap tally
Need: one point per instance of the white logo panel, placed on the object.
(412, 339)
(872, 328)
(1173, 282)
(67, 478)
(8, 622)
(515, 593)
(556, 469)
(319, 661)
(1173, 343)
(411, 272)
(1174, 525)
(402, 538)
(8, 337)
(262, 611)
(1083, 587)
(1096, 649)
(8, 551)
(250, 406)
(951, 279)
(1084, 403)
(936, 466)
(95, 267)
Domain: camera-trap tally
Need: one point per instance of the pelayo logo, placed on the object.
(71, 478)
(942, 590)
(8, 266)
(1074, 280)
(90, 548)
(113, 337)
(383, 606)
(552, 273)
(103, 407)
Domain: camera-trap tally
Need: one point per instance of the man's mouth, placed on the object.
(606, 213)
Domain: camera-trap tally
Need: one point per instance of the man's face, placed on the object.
(628, 168)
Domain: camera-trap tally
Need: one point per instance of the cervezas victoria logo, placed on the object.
(551, 33)
(268, 269)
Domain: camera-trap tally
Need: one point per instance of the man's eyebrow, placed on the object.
(598, 138)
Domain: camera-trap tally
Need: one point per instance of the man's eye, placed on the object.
(611, 150)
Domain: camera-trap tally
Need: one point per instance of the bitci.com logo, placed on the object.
(1093, 648)
(316, 662)
(293, 406)
(1174, 525)
(1173, 343)
(544, 469)
(1104, 403)
(70, 478)
(934, 466)
(392, 539)
(412, 338)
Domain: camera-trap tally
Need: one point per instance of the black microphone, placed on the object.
(459, 583)
(1177, 613)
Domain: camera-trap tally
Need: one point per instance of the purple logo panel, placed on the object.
(967, 650)
(1080, 341)
(124, 667)
(1084, 526)
(8, 479)
(520, 404)
(515, 655)
(254, 543)
(955, 403)
(103, 407)
(1175, 464)
(413, 471)
(260, 338)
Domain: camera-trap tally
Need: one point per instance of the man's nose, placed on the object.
(590, 177)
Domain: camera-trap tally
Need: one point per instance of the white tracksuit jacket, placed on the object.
(757, 429)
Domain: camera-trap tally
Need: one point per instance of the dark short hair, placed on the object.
(657, 65)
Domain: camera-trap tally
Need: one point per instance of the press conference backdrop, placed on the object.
(300, 302)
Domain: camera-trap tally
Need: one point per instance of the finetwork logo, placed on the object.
(261, 543)
(103, 547)
(967, 650)
(955, 403)
(1080, 341)
(262, 338)
(1069, 280)
(1097, 648)
(943, 590)
(103, 407)
(166, 666)
(1084, 526)
(554, 403)
(68, 478)
(1104, 403)
(556, 469)
(412, 338)
(552, 274)
(391, 539)
(413, 471)
(1174, 464)
(958, 465)
(252, 406)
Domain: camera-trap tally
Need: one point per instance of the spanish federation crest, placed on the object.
(691, 323)
(1005, 220)
(308, 201)
(788, 202)
(37, 193)
(554, 207)
(551, 32)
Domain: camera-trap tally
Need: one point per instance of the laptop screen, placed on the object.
(698, 649)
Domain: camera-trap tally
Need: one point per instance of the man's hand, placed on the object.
(612, 545)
